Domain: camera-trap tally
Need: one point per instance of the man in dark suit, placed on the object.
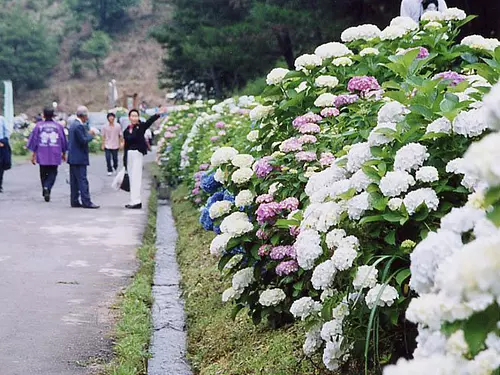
(78, 159)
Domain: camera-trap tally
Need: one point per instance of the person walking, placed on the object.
(416, 8)
(78, 159)
(5, 151)
(48, 143)
(112, 140)
(135, 149)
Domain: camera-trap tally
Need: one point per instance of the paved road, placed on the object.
(60, 270)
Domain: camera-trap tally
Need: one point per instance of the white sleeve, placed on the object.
(412, 9)
(442, 5)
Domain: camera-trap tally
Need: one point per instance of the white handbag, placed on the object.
(117, 182)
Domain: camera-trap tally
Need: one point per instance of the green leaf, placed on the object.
(371, 219)
(224, 260)
(275, 239)
(393, 217)
(236, 309)
(402, 275)
(492, 196)
(390, 238)
(371, 172)
(494, 215)
(478, 326)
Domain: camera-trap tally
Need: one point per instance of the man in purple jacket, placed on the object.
(49, 145)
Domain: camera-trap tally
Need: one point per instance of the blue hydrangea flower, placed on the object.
(228, 196)
(205, 220)
(208, 183)
(217, 229)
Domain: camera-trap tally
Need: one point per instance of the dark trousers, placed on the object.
(48, 174)
(79, 185)
(111, 154)
(1, 177)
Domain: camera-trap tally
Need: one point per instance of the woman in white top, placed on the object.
(416, 8)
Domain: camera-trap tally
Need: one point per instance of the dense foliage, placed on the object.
(349, 183)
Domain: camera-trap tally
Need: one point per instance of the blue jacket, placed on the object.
(78, 146)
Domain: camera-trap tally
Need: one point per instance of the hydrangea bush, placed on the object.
(351, 181)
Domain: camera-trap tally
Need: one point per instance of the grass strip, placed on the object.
(216, 344)
(133, 330)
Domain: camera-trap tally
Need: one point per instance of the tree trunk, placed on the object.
(285, 44)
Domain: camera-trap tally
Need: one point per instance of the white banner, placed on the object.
(8, 105)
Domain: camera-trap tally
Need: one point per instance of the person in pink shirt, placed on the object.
(112, 141)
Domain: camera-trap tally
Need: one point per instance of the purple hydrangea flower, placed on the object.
(294, 231)
(454, 77)
(262, 234)
(263, 167)
(290, 204)
(281, 252)
(304, 119)
(330, 111)
(214, 138)
(267, 212)
(287, 267)
(290, 145)
(310, 128)
(363, 84)
(308, 139)
(326, 159)
(204, 167)
(220, 125)
(264, 250)
(305, 156)
(342, 100)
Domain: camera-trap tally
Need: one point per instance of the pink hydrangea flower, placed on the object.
(308, 139)
(264, 250)
(326, 159)
(267, 212)
(264, 198)
(263, 167)
(290, 145)
(294, 231)
(342, 100)
(330, 112)
(454, 77)
(363, 84)
(309, 128)
(204, 167)
(305, 156)
(195, 191)
(197, 200)
(214, 138)
(287, 267)
(281, 252)
(220, 125)
(262, 234)
(290, 204)
(168, 135)
(304, 119)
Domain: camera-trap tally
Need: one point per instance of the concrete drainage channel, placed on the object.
(168, 342)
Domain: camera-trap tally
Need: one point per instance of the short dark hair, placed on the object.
(426, 3)
(48, 113)
(132, 111)
(110, 114)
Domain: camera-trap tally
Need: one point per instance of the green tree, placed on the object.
(106, 14)
(96, 48)
(27, 51)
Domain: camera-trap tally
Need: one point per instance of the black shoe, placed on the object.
(137, 206)
(1, 189)
(77, 205)
(92, 206)
(46, 194)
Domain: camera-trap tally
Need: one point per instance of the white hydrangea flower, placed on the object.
(276, 76)
(357, 156)
(313, 341)
(301, 87)
(230, 294)
(471, 180)
(366, 277)
(428, 255)
(275, 186)
(387, 297)
(471, 123)
(327, 293)
(236, 224)
(307, 62)
(437, 364)
(242, 279)
(331, 330)
(485, 363)
(481, 43)
(242, 175)
(456, 344)
(244, 198)
(363, 32)
(357, 205)
(491, 106)
(334, 238)
(304, 307)
(342, 61)
(376, 138)
(392, 112)
(223, 155)
(406, 23)
(329, 215)
(343, 257)
(253, 136)
(360, 181)
(323, 275)
(220, 176)
(369, 51)
(325, 100)
(394, 204)
(441, 125)
(427, 174)
(243, 161)
(420, 196)
(396, 182)
(219, 244)
(393, 33)
(482, 159)
(462, 220)
(333, 353)
(260, 112)
(308, 248)
(433, 25)
(326, 81)
(454, 14)
(333, 49)
(432, 16)
(322, 180)
(429, 343)
(272, 297)
(219, 209)
(409, 157)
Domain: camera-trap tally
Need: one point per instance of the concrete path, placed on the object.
(60, 271)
